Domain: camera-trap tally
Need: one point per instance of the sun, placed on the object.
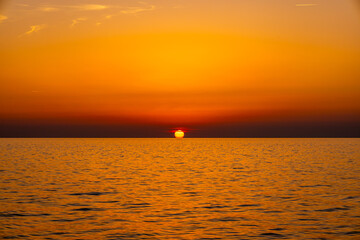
(179, 134)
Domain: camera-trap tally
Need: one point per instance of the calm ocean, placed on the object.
(180, 188)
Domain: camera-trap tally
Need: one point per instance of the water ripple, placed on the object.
(190, 189)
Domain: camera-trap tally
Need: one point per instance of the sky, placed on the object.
(229, 68)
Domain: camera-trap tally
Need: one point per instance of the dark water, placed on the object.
(180, 189)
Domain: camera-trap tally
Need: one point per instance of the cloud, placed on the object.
(77, 20)
(135, 10)
(3, 18)
(90, 7)
(107, 17)
(22, 5)
(83, 7)
(178, 6)
(306, 4)
(48, 9)
(34, 29)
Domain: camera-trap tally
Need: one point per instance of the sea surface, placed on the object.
(180, 189)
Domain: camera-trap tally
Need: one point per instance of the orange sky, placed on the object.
(179, 62)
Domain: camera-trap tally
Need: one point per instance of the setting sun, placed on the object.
(179, 134)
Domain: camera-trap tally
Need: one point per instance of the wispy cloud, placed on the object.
(306, 4)
(107, 17)
(3, 18)
(80, 7)
(135, 10)
(34, 29)
(77, 20)
(22, 5)
(178, 6)
(48, 9)
(90, 7)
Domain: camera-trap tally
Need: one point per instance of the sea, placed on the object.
(179, 188)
